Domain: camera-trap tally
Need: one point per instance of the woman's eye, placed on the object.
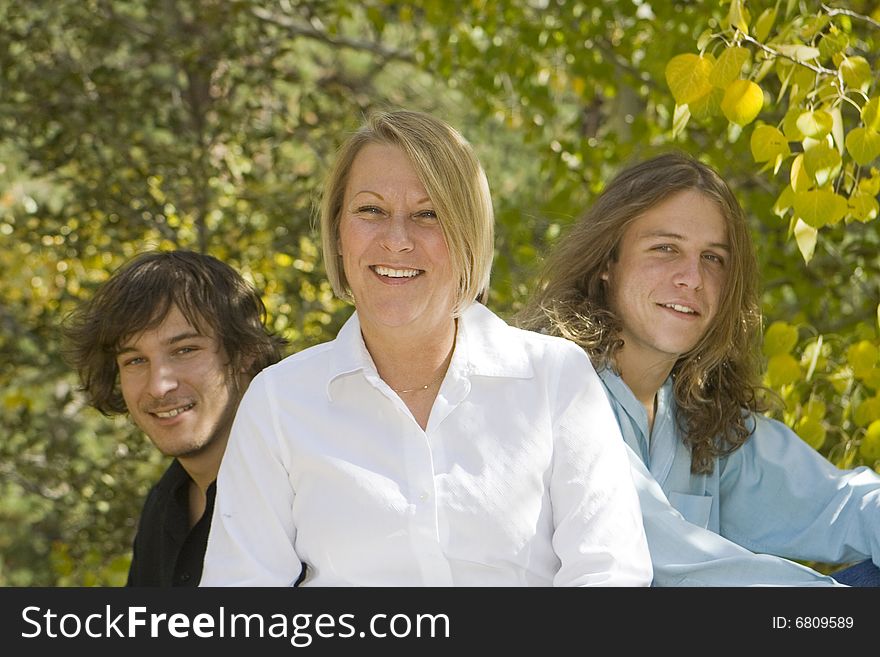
(711, 257)
(369, 209)
(427, 214)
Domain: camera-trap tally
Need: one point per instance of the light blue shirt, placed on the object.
(775, 495)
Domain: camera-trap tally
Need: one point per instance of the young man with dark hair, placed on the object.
(173, 338)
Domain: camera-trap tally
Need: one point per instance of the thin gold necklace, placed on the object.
(442, 370)
(424, 387)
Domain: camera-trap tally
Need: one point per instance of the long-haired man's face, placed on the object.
(177, 385)
(666, 283)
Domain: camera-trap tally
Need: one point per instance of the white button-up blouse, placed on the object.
(520, 478)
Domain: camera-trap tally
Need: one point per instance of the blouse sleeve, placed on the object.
(779, 495)
(598, 536)
(251, 542)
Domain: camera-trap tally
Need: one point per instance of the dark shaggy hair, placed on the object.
(138, 296)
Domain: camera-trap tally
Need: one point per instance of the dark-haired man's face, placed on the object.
(177, 386)
(666, 283)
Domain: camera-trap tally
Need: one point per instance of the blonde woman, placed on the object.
(429, 444)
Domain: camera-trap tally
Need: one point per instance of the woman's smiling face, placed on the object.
(393, 250)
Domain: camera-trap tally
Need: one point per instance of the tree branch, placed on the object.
(834, 11)
(776, 53)
(297, 29)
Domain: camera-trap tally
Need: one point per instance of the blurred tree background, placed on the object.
(127, 125)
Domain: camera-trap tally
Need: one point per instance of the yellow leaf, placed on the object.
(837, 128)
(728, 66)
(742, 102)
(862, 357)
(871, 114)
(815, 409)
(798, 52)
(863, 207)
(779, 338)
(867, 412)
(872, 378)
(870, 447)
(805, 236)
(767, 143)
(707, 106)
(800, 179)
(863, 145)
(822, 163)
(738, 16)
(782, 369)
(819, 207)
(815, 124)
(688, 77)
(680, 118)
(811, 432)
(871, 184)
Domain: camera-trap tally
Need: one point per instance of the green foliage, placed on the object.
(821, 114)
(208, 124)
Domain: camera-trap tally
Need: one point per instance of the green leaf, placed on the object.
(784, 201)
(815, 124)
(779, 338)
(688, 77)
(707, 106)
(819, 207)
(789, 125)
(738, 16)
(767, 143)
(863, 145)
(856, 72)
(764, 23)
(832, 43)
(822, 163)
(728, 66)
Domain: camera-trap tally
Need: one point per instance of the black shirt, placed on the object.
(166, 551)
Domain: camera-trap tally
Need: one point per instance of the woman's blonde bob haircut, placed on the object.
(456, 184)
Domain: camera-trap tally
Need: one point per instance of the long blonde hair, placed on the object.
(717, 380)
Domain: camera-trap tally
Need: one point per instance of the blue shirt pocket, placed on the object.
(695, 508)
